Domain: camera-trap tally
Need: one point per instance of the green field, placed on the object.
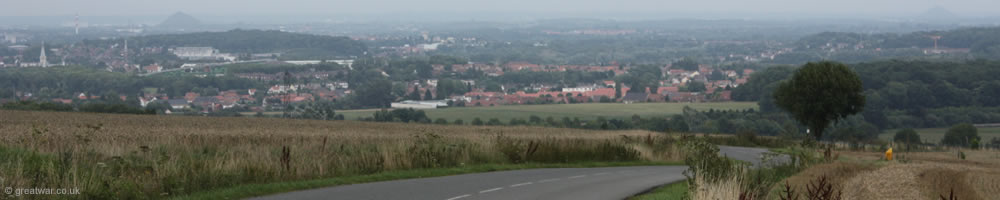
(583, 111)
(673, 191)
(934, 135)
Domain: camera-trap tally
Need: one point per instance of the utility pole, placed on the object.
(14, 92)
(287, 79)
(126, 54)
(76, 23)
(935, 38)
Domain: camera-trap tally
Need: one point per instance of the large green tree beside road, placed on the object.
(821, 93)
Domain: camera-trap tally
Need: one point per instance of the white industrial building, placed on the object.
(578, 89)
(420, 104)
(347, 63)
(196, 53)
(304, 62)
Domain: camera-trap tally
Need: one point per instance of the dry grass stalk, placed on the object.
(788, 193)
(951, 195)
(821, 189)
(732, 187)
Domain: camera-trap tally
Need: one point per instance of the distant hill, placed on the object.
(980, 39)
(937, 13)
(180, 20)
(979, 42)
(253, 41)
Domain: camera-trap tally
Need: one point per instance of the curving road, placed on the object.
(553, 183)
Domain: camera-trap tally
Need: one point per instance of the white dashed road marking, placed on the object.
(459, 197)
(490, 190)
(580, 176)
(521, 184)
(548, 180)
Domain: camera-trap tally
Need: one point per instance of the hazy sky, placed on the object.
(334, 7)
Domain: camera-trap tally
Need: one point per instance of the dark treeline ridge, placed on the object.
(979, 39)
(907, 94)
(849, 47)
(93, 107)
(69, 82)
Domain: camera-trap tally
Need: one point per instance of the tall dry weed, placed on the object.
(730, 187)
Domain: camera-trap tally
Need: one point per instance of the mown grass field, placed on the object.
(934, 135)
(109, 156)
(587, 111)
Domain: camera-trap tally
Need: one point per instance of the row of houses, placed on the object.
(285, 94)
(668, 90)
(492, 70)
(225, 100)
(662, 94)
(201, 53)
(257, 76)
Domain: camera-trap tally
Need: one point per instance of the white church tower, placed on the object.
(42, 60)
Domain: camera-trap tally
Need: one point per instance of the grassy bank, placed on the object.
(152, 157)
(712, 176)
(673, 191)
(589, 111)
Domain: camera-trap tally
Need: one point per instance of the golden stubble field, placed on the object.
(124, 156)
(912, 175)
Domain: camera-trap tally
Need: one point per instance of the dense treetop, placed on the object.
(69, 81)
(821, 93)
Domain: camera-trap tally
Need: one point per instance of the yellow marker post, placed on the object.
(888, 154)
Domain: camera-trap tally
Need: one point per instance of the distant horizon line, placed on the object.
(663, 13)
(464, 16)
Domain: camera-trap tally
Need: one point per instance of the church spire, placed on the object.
(42, 60)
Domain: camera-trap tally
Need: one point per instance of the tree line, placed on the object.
(93, 107)
(70, 81)
(690, 121)
(905, 94)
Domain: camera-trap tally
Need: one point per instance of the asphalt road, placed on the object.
(554, 183)
(752, 155)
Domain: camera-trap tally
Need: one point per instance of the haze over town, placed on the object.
(515, 99)
(228, 11)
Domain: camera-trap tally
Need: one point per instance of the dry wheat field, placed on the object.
(911, 175)
(136, 156)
